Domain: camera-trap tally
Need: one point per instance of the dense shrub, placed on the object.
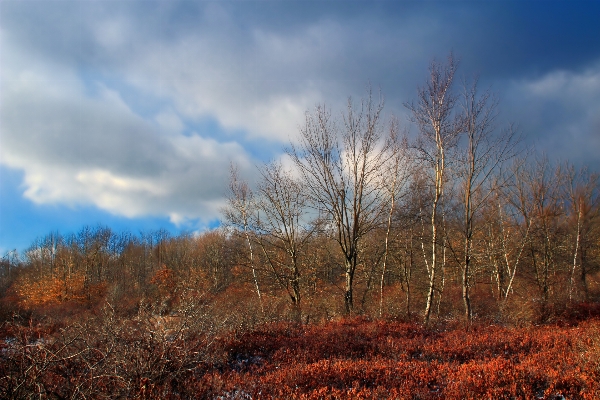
(191, 356)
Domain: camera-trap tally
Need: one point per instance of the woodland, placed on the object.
(434, 258)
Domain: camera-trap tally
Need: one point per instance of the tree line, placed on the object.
(457, 219)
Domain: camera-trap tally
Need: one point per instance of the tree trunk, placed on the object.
(577, 240)
(348, 301)
(385, 254)
(465, 289)
(466, 272)
(258, 293)
(432, 271)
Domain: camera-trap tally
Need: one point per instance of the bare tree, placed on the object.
(283, 226)
(536, 200)
(342, 166)
(547, 210)
(582, 197)
(439, 127)
(510, 218)
(480, 158)
(239, 212)
(398, 176)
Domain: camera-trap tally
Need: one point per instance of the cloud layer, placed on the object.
(77, 148)
(139, 110)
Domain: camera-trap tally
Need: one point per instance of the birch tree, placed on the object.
(439, 127)
(509, 226)
(398, 176)
(239, 213)
(482, 154)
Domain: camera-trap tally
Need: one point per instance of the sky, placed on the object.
(128, 114)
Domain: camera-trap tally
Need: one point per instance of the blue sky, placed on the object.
(128, 113)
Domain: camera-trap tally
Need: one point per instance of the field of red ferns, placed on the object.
(374, 359)
(191, 356)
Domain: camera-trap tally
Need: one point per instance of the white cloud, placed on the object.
(79, 148)
(256, 79)
(227, 82)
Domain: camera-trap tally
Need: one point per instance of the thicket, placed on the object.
(194, 356)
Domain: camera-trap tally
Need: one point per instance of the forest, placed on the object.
(437, 257)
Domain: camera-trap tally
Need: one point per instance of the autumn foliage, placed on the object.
(348, 358)
(32, 293)
(180, 318)
(376, 359)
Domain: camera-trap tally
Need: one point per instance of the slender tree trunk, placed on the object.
(465, 289)
(467, 266)
(258, 293)
(512, 271)
(439, 181)
(443, 282)
(385, 253)
(348, 295)
(577, 240)
(432, 270)
(498, 271)
(408, 273)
